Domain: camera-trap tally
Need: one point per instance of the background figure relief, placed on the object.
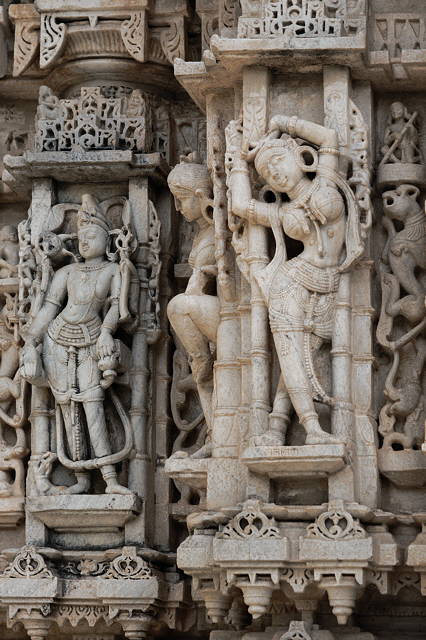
(194, 314)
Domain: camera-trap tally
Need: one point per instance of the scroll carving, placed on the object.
(52, 39)
(173, 40)
(134, 34)
(27, 39)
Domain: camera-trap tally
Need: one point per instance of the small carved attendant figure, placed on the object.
(77, 321)
(49, 107)
(9, 251)
(194, 315)
(300, 293)
(401, 137)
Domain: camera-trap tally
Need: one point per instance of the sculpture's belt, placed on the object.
(315, 279)
(93, 394)
(74, 335)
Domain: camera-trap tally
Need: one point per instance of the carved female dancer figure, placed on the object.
(300, 293)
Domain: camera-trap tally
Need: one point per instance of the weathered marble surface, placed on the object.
(212, 319)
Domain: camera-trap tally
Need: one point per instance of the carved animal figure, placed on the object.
(405, 250)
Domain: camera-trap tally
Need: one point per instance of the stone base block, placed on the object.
(11, 512)
(84, 513)
(401, 173)
(188, 471)
(403, 468)
(303, 461)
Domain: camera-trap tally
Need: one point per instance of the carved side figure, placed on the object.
(401, 140)
(9, 251)
(300, 293)
(194, 315)
(76, 325)
(12, 391)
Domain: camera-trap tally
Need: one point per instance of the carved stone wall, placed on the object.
(212, 319)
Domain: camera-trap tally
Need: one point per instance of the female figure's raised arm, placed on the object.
(325, 138)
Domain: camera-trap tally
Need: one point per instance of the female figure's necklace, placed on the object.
(86, 268)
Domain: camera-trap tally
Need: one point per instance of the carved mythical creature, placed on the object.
(301, 292)
(401, 141)
(402, 318)
(404, 251)
(194, 315)
(76, 325)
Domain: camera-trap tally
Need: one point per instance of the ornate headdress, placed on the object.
(90, 213)
(269, 147)
(189, 175)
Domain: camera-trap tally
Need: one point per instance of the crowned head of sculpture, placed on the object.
(282, 164)
(190, 184)
(93, 229)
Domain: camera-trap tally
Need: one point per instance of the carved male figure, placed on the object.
(194, 315)
(300, 293)
(76, 323)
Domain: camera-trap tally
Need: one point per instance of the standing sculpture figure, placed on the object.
(194, 315)
(300, 293)
(79, 352)
(401, 140)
